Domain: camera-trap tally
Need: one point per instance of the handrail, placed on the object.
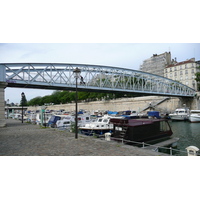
(145, 144)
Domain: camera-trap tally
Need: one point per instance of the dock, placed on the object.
(172, 141)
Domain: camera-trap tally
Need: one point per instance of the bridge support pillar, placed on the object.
(2, 104)
(191, 103)
(196, 102)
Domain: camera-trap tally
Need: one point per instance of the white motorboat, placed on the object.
(65, 122)
(99, 127)
(180, 114)
(32, 118)
(68, 120)
(46, 118)
(194, 116)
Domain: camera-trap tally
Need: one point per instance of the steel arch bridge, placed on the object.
(95, 78)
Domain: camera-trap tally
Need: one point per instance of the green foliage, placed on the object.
(197, 79)
(63, 97)
(23, 101)
(72, 128)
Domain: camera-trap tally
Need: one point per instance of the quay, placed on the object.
(17, 139)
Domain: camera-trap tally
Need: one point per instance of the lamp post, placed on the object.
(77, 73)
(22, 95)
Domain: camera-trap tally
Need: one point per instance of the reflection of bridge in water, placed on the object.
(96, 78)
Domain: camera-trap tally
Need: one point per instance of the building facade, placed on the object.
(184, 72)
(156, 64)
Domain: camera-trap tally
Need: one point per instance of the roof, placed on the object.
(134, 122)
(182, 63)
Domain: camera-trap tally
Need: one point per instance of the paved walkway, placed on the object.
(25, 139)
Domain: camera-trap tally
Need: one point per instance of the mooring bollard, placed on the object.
(142, 144)
(107, 136)
(170, 151)
(192, 150)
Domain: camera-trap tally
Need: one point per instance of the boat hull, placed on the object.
(178, 117)
(86, 131)
(194, 119)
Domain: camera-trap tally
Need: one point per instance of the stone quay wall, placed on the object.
(137, 104)
(2, 105)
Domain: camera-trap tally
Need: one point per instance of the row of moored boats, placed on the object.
(183, 114)
(127, 125)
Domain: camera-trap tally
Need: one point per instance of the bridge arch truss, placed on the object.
(95, 78)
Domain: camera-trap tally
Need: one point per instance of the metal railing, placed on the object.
(154, 147)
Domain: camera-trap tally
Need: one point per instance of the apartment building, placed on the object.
(183, 72)
(157, 63)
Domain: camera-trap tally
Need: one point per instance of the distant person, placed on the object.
(82, 81)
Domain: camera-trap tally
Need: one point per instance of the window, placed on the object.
(186, 66)
(175, 74)
(186, 71)
(181, 73)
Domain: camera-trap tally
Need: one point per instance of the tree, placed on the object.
(23, 101)
(197, 79)
(35, 101)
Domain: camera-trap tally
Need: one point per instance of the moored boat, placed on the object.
(141, 130)
(194, 116)
(68, 120)
(180, 114)
(98, 127)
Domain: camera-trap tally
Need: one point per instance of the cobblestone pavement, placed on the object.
(17, 139)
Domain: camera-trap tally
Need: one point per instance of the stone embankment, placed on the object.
(137, 104)
(17, 139)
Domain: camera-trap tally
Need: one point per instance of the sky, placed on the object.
(125, 55)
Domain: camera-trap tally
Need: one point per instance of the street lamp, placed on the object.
(77, 73)
(22, 95)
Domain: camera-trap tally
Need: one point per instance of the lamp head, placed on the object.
(22, 94)
(77, 72)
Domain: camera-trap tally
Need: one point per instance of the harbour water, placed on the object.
(189, 134)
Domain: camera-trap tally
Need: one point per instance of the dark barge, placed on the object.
(141, 130)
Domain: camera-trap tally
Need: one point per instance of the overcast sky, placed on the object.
(126, 55)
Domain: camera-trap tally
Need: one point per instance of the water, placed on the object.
(189, 134)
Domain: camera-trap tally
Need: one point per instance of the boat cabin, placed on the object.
(141, 130)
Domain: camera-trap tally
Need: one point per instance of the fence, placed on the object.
(154, 147)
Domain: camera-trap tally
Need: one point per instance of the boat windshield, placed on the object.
(181, 111)
(100, 120)
(164, 126)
